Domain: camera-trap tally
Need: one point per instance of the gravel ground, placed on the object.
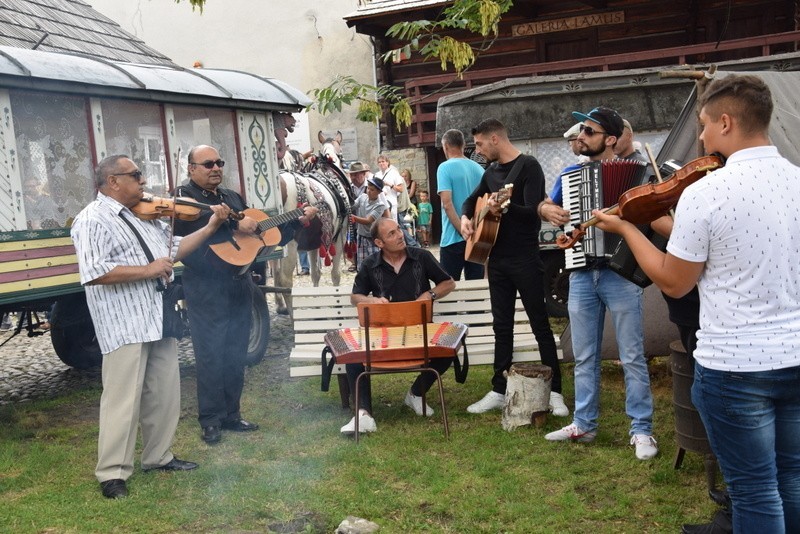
(30, 369)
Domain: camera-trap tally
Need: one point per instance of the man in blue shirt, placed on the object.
(457, 178)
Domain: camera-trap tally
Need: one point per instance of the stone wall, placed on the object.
(409, 158)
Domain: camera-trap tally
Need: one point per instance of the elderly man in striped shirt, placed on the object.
(141, 382)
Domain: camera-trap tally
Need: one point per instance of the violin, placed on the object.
(150, 208)
(648, 202)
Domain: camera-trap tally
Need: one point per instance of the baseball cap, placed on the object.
(605, 117)
(573, 132)
(376, 182)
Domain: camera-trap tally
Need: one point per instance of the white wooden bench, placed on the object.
(317, 310)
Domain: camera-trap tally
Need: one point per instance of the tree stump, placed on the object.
(527, 395)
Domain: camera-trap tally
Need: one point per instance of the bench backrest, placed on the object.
(320, 309)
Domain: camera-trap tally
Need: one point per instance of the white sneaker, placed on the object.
(365, 424)
(415, 403)
(646, 446)
(572, 433)
(491, 401)
(557, 405)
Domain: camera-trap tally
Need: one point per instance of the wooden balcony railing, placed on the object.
(425, 90)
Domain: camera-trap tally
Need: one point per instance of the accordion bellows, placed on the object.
(596, 185)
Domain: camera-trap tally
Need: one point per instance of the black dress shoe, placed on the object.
(211, 434)
(721, 524)
(173, 465)
(114, 488)
(240, 425)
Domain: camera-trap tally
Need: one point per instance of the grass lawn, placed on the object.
(298, 474)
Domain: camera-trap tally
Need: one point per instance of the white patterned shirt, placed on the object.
(741, 221)
(130, 312)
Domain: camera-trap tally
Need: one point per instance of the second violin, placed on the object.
(648, 202)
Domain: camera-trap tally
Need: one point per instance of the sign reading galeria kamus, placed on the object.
(569, 23)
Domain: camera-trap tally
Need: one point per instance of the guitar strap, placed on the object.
(515, 170)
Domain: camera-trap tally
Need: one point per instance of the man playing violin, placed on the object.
(141, 382)
(219, 299)
(592, 290)
(747, 357)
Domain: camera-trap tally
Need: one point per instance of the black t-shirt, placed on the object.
(519, 227)
(203, 260)
(685, 311)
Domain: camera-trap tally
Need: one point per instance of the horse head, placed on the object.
(331, 148)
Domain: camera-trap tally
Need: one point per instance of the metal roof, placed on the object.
(71, 26)
(87, 75)
(383, 7)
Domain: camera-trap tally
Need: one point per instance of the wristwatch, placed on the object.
(433, 294)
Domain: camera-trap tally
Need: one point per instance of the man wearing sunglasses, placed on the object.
(141, 382)
(593, 289)
(219, 300)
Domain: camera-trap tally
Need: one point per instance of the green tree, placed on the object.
(428, 38)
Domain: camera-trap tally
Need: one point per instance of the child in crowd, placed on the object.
(367, 209)
(424, 219)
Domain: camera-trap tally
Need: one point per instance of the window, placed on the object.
(213, 127)
(54, 157)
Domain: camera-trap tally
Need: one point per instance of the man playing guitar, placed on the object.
(514, 263)
(220, 300)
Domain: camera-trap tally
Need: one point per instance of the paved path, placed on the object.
(30, 369)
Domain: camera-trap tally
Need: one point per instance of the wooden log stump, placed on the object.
(527, 395)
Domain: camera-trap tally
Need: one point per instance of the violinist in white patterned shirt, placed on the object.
(141, 382)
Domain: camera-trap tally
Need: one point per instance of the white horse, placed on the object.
(325, 186)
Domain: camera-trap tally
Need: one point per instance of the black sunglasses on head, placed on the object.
(210, 164)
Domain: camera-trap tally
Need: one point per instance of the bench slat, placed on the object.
(317, 310)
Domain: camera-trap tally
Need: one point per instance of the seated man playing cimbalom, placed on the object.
(396, 274)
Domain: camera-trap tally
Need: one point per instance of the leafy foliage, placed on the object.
(346, 90)
(428, 38)
(196, 4)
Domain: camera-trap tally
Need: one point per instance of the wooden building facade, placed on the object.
(546, 37)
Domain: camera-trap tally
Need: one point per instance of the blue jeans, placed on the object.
(590, 293)
(452, 259)
(753, 425)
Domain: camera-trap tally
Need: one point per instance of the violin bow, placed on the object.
(657, 171)
(174, 197)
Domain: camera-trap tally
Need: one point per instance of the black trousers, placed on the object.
(220, 317)
(507, 276)
(421, 385)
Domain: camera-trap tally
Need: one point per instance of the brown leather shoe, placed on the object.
(114, 488)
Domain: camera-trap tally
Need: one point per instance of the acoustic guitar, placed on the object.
(486, 224)
(243, 249)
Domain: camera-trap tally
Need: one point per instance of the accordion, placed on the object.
(596, 185)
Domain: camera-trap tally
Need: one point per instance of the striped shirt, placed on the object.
(130, 312)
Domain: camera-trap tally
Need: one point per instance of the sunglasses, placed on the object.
(210, 164)
(589, 131)
(136, 175)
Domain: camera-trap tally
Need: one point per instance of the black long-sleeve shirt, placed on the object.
(520, 225)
